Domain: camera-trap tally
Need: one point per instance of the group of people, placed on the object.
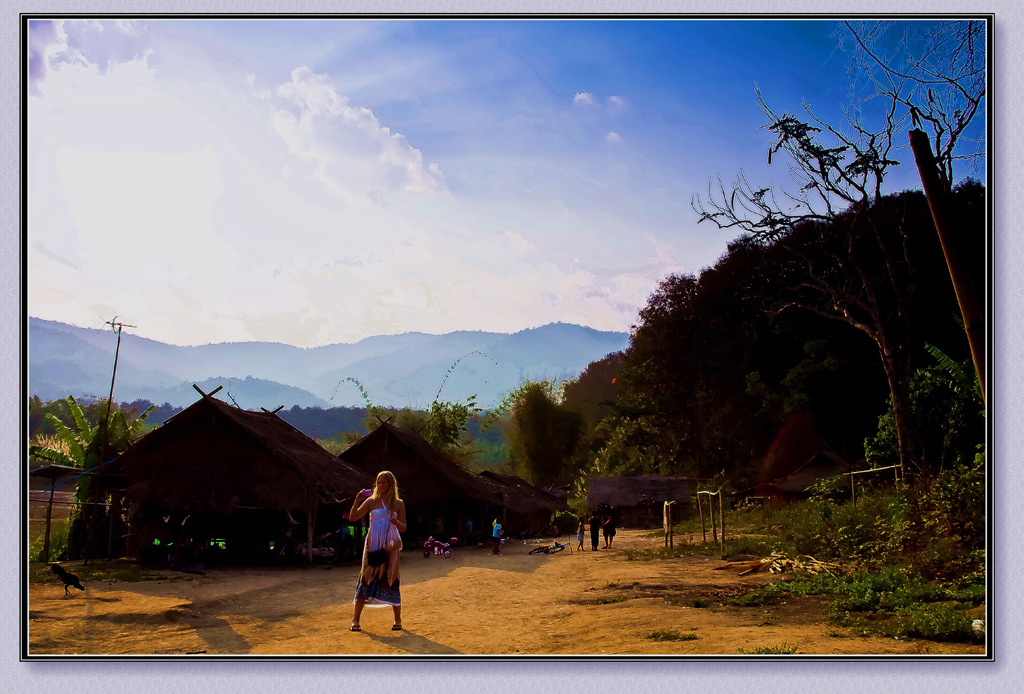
(601, 521)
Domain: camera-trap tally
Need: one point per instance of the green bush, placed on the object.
(948, 421)
(59, 530)
(566, 522)
(759, 545)
(770, 594)
(892, 600)
(938, 622)
(935, 526)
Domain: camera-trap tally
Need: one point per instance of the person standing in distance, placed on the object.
(496, 533)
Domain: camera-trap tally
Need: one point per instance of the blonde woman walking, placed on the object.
(379, 579)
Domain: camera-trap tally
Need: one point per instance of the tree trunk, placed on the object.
(897, 371)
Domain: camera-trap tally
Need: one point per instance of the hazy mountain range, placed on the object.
(395, 370)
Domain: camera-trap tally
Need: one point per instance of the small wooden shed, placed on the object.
(822, 465)
(638, 500)
(235, 473)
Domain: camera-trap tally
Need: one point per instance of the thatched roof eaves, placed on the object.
(216, 457)
(522, 496)
(624, 492)
(433, 478)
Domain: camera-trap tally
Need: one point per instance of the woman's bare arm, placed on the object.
(360, 509)
(399, 522)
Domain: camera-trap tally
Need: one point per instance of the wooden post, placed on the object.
(309, 538)
(721, 513)
(711, 513)
(129, 540)
(115, 507)
(853, 491)
(46, 537)
(700, 510)
(667, 519)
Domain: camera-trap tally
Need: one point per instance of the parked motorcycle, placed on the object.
(438, 548)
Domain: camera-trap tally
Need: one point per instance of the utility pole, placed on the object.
(110, 399)
(116, 326)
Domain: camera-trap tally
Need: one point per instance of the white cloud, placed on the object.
(347, 146)
(613, 137)
(616, 100)
(101, 44)
(206, 204)
(262, 94)
(517, 242)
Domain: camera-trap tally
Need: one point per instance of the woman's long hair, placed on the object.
(392, 495)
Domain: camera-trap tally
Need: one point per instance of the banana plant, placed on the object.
(961, 380)
(84, 441)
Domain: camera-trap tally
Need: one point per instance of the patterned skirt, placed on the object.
(379, 586)
(377, 592)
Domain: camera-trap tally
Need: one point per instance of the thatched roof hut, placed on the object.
(214, 457)
(439, 495)
(523, 497)
(527, 508)
(234, 473)
(822, 465)
(638, 500)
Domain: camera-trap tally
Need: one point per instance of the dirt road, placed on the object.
(589, 603)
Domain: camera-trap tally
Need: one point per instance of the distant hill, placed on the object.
(396, 370)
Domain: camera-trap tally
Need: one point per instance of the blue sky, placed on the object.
(319, 181)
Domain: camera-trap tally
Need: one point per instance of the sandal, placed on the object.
(396, 627)
(354, 627)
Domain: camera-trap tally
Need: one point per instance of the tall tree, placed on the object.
(447, 428)
(543, 434)
(860, 269)
(862, 273)
(936, 74)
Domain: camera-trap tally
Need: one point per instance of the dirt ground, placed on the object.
(579, 603)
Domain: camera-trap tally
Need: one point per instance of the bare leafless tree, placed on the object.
(860, 272)
(936, 72)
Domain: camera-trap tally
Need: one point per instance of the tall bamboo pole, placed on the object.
(966, 296)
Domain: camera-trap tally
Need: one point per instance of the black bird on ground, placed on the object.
(69, 578)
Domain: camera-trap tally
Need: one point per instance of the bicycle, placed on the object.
(550, 549)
